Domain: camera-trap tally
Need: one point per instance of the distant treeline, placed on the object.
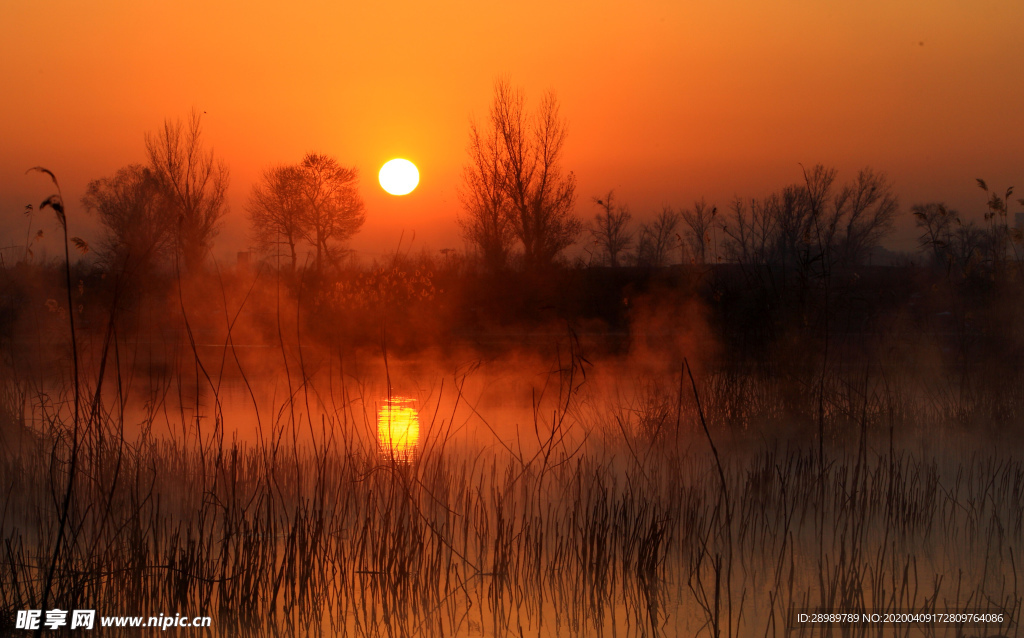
(796, 269)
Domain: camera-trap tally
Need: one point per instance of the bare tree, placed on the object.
(487, 222)
(936, 224)
(610, 231)
(657, 239)
(841, 227)
(542, 198)
(138, 232)
(867, 208)
(332, 211)
(275, 210)
(968, 247)
(962, 248)
(699, 225)
(814, 222)
(522, 155)
(192, 184)
(751, 237)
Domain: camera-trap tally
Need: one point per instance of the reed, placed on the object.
(617, 520)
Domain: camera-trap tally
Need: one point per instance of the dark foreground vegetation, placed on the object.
(717, 504)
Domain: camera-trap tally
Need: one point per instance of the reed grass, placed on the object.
(664, 509)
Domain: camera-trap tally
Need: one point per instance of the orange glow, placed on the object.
(398, 428)
(666, 101)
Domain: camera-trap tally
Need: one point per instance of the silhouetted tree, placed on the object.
(332, 211)
(610, 231)
(814, 223)
(961, 248)
(936, 223)
(865, 210)
(699, 225)
(657, 239)
(487, 222)
(542, 198)
(275, 209)
(753, 235)
(138, 232)
(192, 185)
(523, 156)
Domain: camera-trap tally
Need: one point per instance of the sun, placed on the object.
(399, 177)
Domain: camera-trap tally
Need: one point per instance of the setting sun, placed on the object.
(399, 177)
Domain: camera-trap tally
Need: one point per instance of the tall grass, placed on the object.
(618, 519)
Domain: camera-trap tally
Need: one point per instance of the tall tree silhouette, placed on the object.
(192, 185)
(699, 226)
(332, 211)
(487, 224)
(138, 233)
(609, 229)
(275, 209)
(314, 202)
(515, 177)
(816, 224)
(657, 238)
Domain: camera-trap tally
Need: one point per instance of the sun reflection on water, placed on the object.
(398, 428)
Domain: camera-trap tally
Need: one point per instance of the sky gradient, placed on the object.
(666, 101)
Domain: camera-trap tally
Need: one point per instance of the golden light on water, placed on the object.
(398, 428)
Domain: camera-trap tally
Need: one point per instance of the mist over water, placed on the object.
(578, 483)
(433, 446)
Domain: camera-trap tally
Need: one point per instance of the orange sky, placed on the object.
(666, 101)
